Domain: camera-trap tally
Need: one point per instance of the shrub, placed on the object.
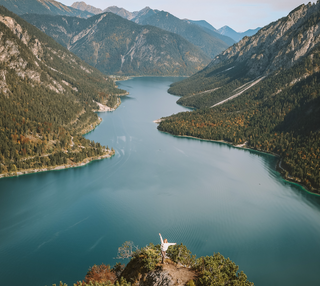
(216, 270)
(179, 253)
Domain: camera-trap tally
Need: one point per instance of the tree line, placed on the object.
(272, 116)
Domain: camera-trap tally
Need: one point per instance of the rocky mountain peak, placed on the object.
(84, 7)
(278, 45)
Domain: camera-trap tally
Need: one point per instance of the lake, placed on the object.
(210, 196)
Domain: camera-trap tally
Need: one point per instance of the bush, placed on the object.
(216, 270)
(148, 256)
(179, 253)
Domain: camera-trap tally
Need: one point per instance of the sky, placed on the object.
(240, 15)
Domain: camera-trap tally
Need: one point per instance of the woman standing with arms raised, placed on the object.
(164, 247)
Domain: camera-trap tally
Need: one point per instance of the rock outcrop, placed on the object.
(277, 45)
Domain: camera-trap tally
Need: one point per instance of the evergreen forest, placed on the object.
(273, 116)
(46, 101)
(262, 93)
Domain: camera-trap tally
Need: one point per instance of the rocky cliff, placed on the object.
(279, 45)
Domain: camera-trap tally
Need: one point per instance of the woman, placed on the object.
(164, 246)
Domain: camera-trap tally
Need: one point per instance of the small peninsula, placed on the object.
(180, 268)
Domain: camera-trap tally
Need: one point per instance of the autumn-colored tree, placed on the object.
(100, 273)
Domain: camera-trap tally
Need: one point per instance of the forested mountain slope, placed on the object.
(276, 47)
(275, 81)
(210, 42)
(51, 7)
(46, 98)
(118, 46)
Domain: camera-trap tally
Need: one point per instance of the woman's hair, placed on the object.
(165, 240)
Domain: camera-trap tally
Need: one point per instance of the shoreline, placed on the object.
(88, 129)
(283, 172)
(105, 108)
(85, 162)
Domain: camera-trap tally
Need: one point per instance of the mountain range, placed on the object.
(115, 45)
(211, 42)
(95, 43)
(225, 33)
(50, 7)
(262, 93)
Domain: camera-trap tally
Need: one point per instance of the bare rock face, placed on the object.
(278, 45)
(84, 7)
(14, 55)
(158, 278)
(170, 274)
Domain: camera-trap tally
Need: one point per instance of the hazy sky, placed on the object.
(240, 15)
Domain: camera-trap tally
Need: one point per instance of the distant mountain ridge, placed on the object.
(208, 40)
(50, 7)
(115, 45)
(227, 31)
(84, 7)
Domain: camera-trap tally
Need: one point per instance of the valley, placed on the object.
(214, 140)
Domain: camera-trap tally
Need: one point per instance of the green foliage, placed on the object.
(216, 270)
(112, 101)
(210, 270)
(285, 123)
(279, 115)
(122, 282)
(143, 260)
(190, 283)
(180, 254)
(37, 123)
(148, 256)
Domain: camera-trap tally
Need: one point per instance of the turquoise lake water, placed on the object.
(210, 196)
